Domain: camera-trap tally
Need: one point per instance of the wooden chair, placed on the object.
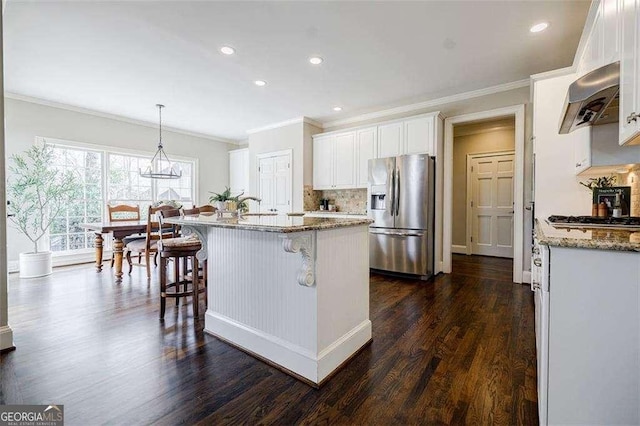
(180, 250)
(191, 212)
(149, 245)
(207, 208)
(124, 213)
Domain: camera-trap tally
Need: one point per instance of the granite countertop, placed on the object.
(270, 223)
(354, 213)
(590, 239)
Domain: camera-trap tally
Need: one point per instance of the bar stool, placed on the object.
(179, 249)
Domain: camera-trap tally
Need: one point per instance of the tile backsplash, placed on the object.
(345, 200)
(632, 179)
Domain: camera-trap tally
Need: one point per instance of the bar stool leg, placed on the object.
(196, 288)
(163, 286)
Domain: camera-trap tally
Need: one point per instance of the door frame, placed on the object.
(471, 157)
(516, 111)
(288, 152)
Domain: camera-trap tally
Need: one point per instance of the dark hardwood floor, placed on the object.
(457, 349)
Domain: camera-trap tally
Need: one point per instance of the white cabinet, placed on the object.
(341, 159)
(334, 161)
(582, 154)
(366, 145)
(604, 42)
(239, 171)
(390, 140)
(589, 320)
(629, 126)
(419, 135)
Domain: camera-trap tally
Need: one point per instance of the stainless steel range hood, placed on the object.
(592, 99)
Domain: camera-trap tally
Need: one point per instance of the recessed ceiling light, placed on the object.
(337, 108)
(227, 50)
(316, 60)
(260, 83)
(539, 27)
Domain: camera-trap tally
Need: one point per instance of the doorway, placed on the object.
(490, 206)
(275, 182)
(498, 231)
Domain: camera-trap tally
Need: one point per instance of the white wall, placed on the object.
(557, 190)
(296, 137)
(25, 121)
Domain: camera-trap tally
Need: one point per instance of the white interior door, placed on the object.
(492, 205)
(274, 182)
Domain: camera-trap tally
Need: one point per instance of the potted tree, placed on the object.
(37, 194)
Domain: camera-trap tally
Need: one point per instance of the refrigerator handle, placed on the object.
(397, 192)
(393, 192)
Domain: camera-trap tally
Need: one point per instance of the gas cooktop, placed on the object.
(629, 221)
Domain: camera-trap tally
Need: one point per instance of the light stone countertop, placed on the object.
(350, 213)
(270, 223)
(589, 239)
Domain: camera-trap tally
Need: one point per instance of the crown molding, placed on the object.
(553, 73)
(285, 123)
(81, 110)
(429, 104)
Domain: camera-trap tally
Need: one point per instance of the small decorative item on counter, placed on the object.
(609, 195)
(603, 210)
(594, 209)
(617, 205)
(600, 182)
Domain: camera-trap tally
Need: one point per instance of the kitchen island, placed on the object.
(292, 291)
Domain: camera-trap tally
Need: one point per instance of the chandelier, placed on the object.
(160, 167)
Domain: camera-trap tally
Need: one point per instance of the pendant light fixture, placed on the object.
(160, 167)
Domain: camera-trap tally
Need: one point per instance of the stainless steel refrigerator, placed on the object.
(401, 202)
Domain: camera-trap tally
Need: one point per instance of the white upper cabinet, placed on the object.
(334, 159)
(239, 171)
(323, 151)
(611, 30)
(419, 135)
(341, 159)
(604, 42)
(345, 160)
(366, 142)
(390, 140)
(629, 126)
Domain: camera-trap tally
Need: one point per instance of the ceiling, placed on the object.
(124, 57)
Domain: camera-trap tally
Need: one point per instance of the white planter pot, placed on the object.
(35, 264)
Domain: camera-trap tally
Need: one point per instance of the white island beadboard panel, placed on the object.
(256, 301)
(342, 278)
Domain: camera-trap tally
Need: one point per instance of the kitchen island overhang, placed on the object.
(293, 291)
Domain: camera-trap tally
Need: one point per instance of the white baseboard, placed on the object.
(455, 248)
(297, 359)
(526, 277)
(335, 354)
(13, 266)
(6, 337)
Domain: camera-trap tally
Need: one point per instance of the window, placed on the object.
(87, 204)
(112, 177)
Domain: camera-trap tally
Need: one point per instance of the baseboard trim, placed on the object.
(458, 249)
(6, 339)
(526, 277)
(294, 360)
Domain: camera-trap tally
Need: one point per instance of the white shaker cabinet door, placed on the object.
(323, 154)
(390, 140)
(365, 150)
(629, 73)
(345, 158)
(239, 171)
(418, 135)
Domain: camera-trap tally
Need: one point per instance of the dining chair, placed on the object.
(207, 208)
(191, 212)
(124, 213)
(149, 245)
